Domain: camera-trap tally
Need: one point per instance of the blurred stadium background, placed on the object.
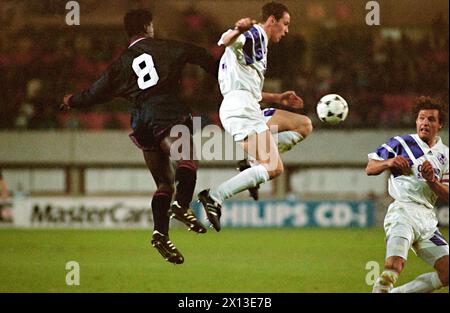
(315, 228)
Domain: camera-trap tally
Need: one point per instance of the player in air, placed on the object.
(148, 75)
(419, 176)
(241, 78)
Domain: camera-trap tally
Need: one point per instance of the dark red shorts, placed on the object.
(149, 138)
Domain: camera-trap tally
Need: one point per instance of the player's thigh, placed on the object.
(263, 148)
(180, 148)
(288, 121)
(433, 249)
(400, 237)
(160, 167)
(241, 115)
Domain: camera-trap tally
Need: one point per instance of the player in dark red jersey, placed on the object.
(148, 75)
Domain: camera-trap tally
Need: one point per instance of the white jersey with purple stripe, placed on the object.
(244, 63)
(414, 188)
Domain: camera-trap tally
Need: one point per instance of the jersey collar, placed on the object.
(424, 145)
(136, 41)
(264, 34)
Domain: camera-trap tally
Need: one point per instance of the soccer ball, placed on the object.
(332, 109)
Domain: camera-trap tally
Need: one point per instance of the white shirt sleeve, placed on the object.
(374, 156)
(238, 43)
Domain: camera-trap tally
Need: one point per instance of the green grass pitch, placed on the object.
(235, 260)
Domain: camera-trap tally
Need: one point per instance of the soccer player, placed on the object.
(4, 193)
(419, 176)
(5, 210)
(241, 79)
(148, 75)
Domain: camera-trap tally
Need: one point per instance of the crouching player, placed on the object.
(419, 176)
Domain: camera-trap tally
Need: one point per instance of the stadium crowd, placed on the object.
(378, 73)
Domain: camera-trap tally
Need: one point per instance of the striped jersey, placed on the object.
(414, 188)
(244, 63)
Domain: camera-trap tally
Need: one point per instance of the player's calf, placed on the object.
(263, 148)
(274, 172)
(185, 180)
(242, 166)
(160, 206)
(305, 126)
(441, 267)
(287, 140)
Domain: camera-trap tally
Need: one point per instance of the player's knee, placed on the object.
(301, 124)
(166, 189)
(276, 171)
(441, 267)
(305, 127)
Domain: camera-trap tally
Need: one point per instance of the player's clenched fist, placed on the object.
(428, 172)
(292, 100)
(244, 24)
(401, 163)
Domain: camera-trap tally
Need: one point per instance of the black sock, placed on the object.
(186, 178)
(160, 208)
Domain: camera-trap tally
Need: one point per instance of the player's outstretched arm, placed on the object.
(103, 90)
(288, 99)
(438, 187)
(201, 57)
(241, 27)
(375, 167)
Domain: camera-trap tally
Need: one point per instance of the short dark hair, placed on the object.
(274, 8)
(428, 103)
(135, 21)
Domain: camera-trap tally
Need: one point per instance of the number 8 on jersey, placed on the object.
(145, 69)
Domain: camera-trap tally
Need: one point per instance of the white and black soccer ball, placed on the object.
(332, 109)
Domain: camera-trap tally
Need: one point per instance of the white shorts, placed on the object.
(418, 225)
(241, 115)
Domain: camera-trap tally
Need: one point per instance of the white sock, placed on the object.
(252, 161)
(249, 178)
(424, 283)
(287, 140)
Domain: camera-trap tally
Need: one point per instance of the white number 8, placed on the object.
(145, 69)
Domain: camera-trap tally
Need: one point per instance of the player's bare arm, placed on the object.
(288, 99)
(375, 167)
(241, 27)
(439, 188)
